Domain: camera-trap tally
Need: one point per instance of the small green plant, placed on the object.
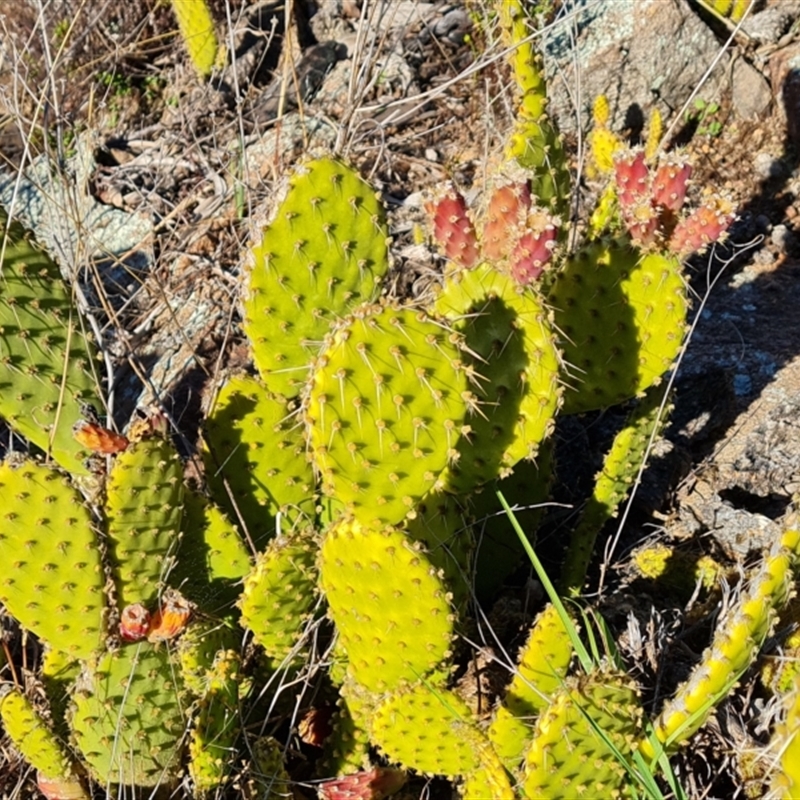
(704, 118)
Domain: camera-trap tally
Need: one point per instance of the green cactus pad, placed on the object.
(256, 458)
(347, 748)
(32, 736)
(786, 742)
(623, 318)
(129, 716)
(216, 725)
(45, 355)
(572, 753)
(280, 593)
(143, 509)
(430, 729)
(385, 410)
(737, 640)
(324, 253)
(511, 346)
(52, 579)
(390, 606)
(620, 470)
(542, 669)
(268, 769)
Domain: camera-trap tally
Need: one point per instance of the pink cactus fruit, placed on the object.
(66, 788)
(632, 177)
(702, 227)
(644, 224)
(670, 183)
(508, 207)
(134, 623)
(533, 248)
(453, 228)
(374, 784)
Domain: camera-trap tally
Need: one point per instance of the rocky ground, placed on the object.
(147, 181)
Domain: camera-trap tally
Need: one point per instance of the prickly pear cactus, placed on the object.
(324, 253)
(52, 580)
(197, 31)
(386, 408)
(46, 366)
(129, 716)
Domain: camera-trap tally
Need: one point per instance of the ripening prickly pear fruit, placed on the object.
(374, 784)
(453, 228)
(506, 212)
(324, 253)
(632, 177)
(52, 578)
(533, 249)
(670, 182)
(704, 226)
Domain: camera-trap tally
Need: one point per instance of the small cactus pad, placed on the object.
(280, 593)
(347, 747)
(737, 640)
(197, 31)
(512, 348)
(325, 252)
(52, 578)
(390, 606)
(128, 716)
(144, 507)
(786, 742)
(32, 737)
(385, 410)
(45, 356)
(573, 750)
(542, 669)
(623, 316)
(255, 457)
(431, 729)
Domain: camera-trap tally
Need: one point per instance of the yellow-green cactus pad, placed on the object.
(324, 253)
(385, 410)
(256, 458)
(143, 509)
(129, 716)
(197, 31)
(430, 729)
(52, 578)
(540, 674)
(280, 593)
(572, 752)
(622, 314)
(786, 742)
(33, 738)
(45, 354)
(391, 608)
(511, 345)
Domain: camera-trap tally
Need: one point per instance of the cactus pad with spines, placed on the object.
(52, 580)
(197, 30)
(280, 593)
(736, 642)
(347, 747)
(511, 346)
(143, 508)
(541, 671)
(786, 742)
(430, 729)
(573, 750)
(390, 606)
(386, 409)
(324, 253)
(255, 457)
(32, 737)
(129, 716)
(45, 355)
(623, 316)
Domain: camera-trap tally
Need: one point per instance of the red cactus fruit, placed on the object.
(69, 788)
(453, 229)
(316, 725)
(507, 210)
(374, 784)
(534, 248)
(670, 182)
(702, 227)
(134, 623)
(172, 617)
(632, 177)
